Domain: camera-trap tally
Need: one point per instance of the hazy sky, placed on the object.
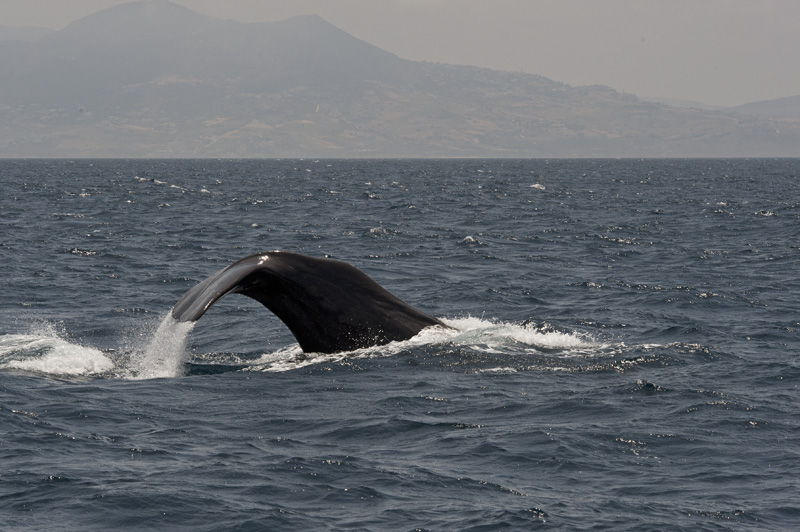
(721, 52)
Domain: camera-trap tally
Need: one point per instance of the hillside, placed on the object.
(154, 79)
(781, 108)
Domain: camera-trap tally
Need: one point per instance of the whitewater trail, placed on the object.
(161, 351)
(470, 333)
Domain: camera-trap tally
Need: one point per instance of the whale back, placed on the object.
(328, 305)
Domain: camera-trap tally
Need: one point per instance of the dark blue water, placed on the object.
(625, 353)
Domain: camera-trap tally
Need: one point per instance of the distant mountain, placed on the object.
(782, 108)
(154, 79)
(677, 102)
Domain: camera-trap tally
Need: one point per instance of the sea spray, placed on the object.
(164, 355)
(500, 337)
(467, 335)
(49, 354)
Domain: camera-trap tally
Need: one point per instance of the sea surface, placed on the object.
(624, 352)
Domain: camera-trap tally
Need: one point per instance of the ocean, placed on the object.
(624, 350)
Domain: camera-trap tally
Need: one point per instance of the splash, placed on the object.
(44, 351)
(158, 349)
(151, 352)
(470, 334)
(164, 355)
(499, 337)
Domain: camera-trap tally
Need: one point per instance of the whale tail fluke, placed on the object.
(328, 305)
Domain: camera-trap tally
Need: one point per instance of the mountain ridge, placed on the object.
(155, 79)
(780, 108)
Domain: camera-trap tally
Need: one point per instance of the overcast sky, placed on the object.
(719, 52)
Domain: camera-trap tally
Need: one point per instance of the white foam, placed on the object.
(51, 355)
(469, 333)
(292, 357)
(158, 349)
(499, 335)
(151, 352)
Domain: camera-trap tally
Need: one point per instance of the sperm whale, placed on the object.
(328, 305)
